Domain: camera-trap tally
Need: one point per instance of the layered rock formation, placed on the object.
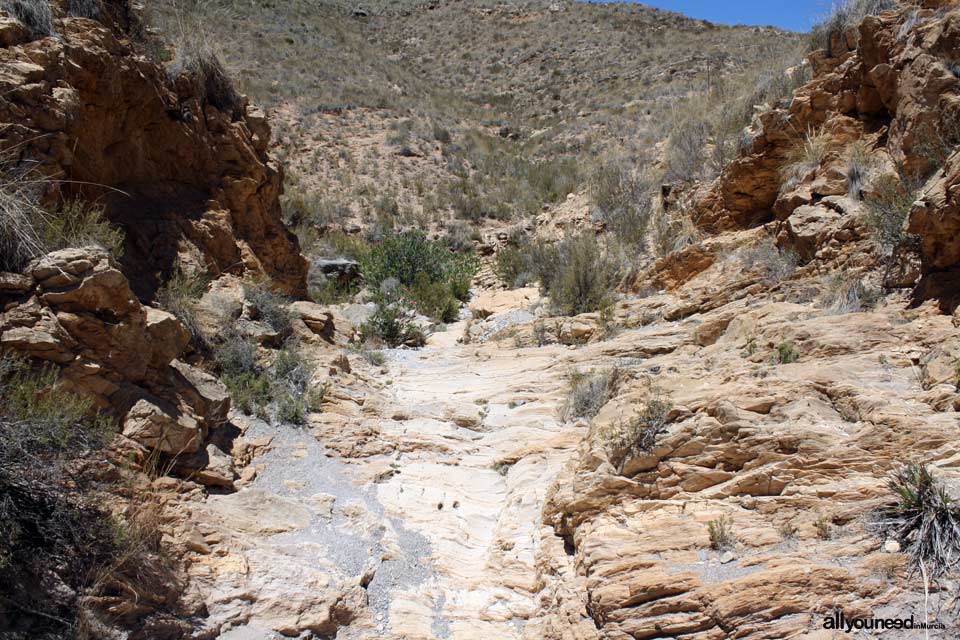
(187, 177)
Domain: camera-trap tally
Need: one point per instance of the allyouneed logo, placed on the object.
(838, 621)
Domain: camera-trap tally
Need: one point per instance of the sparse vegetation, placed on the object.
(639, 433)
(720, 531)
(27, 230)
(35, 15)
(846, 293)
(845, 15)
(772, 263)
(280, 392)
(576, 273)
(270, 307)
(786, 353)
(590, 391)
(923, 518)
(179, 295)
(887, 208)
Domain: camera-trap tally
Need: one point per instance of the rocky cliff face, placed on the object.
(187, 177)
(788, 411)
(888, 84)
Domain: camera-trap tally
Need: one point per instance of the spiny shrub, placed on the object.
(720, 531)
(590, 391)
(923, 518)
(179, 295)
(773, 263)
(35, 15)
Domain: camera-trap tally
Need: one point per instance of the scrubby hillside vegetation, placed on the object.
(463, 319)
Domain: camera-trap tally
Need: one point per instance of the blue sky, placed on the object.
(798, 15)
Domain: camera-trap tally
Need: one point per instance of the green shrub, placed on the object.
(78, 224)
(622, 202)
(515, 264)
(404, 256)
(786, 353)
(924, 519)
(431, 277)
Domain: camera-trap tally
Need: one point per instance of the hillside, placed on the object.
(525, 320)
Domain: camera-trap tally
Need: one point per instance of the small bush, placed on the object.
(924, 519)
(577, 275)
(35, 15)
(672, 232)
(786, 353)
(805, 157)
(393, 323)
(773, 264)
(823, 527)
(847, 294)
(721, 533)
(590, 391)
(887, 209)
(179, 296)
(639, 433)
(376, 358)
(270, 307)
(859, 170)
(515, 263)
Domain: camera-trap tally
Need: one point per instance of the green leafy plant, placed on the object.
(786, 353)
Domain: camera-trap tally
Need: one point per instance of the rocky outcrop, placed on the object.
(189, 181)
(76, 309)
(886, 85)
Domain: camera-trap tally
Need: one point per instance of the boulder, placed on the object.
(159, 425)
